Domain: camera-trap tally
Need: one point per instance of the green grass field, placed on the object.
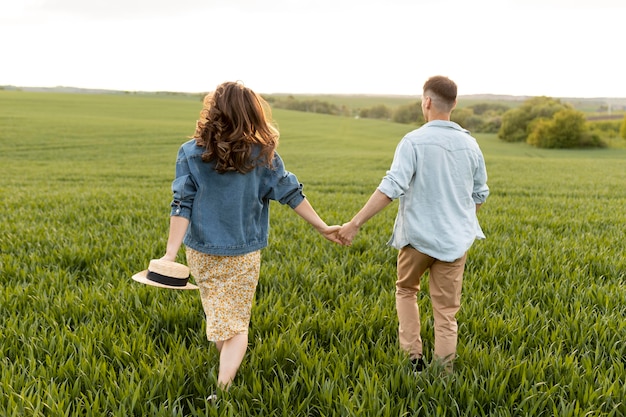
(85, 198)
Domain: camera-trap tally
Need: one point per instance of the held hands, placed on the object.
(330, 233)
(342, 235)
(347, 233)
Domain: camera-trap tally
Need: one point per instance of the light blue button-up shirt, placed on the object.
(438, 174)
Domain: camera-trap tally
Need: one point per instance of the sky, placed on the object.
(557, 48)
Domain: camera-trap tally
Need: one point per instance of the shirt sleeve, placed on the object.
(403, 167)
(184, 188)
(285, 187)
(481, 190)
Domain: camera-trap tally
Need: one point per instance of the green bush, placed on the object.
(409, 114)
(461, 116)
(566, 129)
(516, 122)
(607, 128)
(379, 111)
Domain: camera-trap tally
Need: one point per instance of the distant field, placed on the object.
(85, 204)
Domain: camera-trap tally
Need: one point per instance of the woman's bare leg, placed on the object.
(232, 352)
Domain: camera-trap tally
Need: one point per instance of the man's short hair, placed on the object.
(442, 86)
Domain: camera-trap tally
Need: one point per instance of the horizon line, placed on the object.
(62, 88)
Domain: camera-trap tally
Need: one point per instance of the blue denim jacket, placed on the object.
(229, 212)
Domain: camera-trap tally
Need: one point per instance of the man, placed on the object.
(438, 173)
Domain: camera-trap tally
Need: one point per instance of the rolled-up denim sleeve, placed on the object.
(286, 188)
(183, 188)
(481, 190)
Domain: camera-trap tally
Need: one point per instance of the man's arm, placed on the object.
(375, 204)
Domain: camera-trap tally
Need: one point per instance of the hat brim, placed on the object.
(143, 278)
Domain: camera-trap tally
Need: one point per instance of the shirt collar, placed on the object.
(448, 124)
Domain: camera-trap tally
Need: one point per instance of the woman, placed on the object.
(226, 176)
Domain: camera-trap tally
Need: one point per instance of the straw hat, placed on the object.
(166, 274)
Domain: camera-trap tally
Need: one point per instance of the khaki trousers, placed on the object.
(445, 281)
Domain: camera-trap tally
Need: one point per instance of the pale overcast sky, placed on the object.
(559, 48)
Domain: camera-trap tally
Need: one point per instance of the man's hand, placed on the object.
(347, 233)
(330, 233)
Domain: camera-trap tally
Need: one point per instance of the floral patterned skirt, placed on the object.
(227, 285)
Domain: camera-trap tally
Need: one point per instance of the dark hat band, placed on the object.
(165, 280)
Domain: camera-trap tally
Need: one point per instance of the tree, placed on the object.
(491, 124)
(460, 116)
(540, 131)
(467, 119)
(516, 122)
(409, 113)
(379, 111)
(514, 125)
(622, 129)
(566, 129)
(483, 108)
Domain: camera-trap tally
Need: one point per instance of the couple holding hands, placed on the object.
(229, 171)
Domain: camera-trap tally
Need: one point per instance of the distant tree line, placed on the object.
(482, 117)
(310, 105)
(543, 122)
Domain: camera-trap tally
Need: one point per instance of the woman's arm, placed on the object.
(178, 228)
(307, 212)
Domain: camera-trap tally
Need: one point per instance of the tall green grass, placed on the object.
(85, 202)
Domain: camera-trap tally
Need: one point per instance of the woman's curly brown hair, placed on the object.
(233, 121)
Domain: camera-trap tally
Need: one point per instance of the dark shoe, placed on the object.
(418, 365)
